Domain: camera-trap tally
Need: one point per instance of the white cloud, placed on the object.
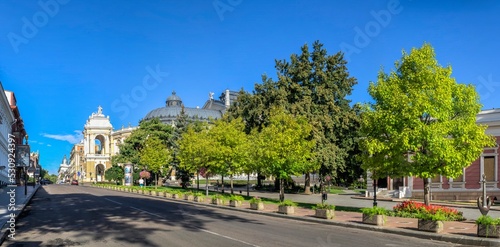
(48, 145)
(73, 139)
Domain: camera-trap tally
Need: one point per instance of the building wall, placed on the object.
(6, 119)
(469, 187)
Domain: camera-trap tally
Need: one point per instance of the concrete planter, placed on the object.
(488, 231)
(378, 219)
(199, 199)
(257, 206)
(217, 201)
(430, 225)
(234, 204)
(167, 195)
(324, 213)
(176, 196)
(286, 209)
(189, 197)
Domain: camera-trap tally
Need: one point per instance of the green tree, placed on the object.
(114, 173)
(422, 122)
(313, 85)
(284, 146)
(230, 147)
(130, 149)
(155, 156)
(194, 150)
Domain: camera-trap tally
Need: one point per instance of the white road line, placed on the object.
(144, 211)
(203, 230)
(224, 236)
(113, 201)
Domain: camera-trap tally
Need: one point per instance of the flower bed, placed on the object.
(413, 209)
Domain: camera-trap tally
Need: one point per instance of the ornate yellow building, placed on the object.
(90, 158)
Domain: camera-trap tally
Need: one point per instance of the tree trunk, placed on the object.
(222, 179)
(248, 184)
(259, 181)
(156, 181)
(307, 184)
(427, 190)
(197, 181)
(206, 185)
(231, 179)
(282, 190)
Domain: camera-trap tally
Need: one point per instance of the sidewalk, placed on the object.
(464, 232)
(13, 204)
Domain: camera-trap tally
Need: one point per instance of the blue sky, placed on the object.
(64, 58)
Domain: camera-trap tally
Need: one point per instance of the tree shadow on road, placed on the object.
(76, 218)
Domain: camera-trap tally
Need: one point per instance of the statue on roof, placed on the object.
(211, 96)
(99, 110)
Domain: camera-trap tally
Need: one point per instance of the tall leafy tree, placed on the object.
(230, 152)
(314, 85)
(155, 156)
(194, 151)
(422, 122)
(284, 146)
(130, 149)
(114, 173)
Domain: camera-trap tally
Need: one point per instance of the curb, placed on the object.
(5, 230)
(454, 239)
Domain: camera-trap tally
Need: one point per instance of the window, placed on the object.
(489, 168)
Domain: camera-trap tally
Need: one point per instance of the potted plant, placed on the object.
(218, 199)
(431, 222)
(324, 211)
(167, 193)
(374, 215)
(199, 197)
(488, 227)
(189, 196)
(176, 194)
(236, 200)
(256, 203)
(287, 207)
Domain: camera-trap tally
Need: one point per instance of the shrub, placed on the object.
(487, 220)
(374, 211)
(237, 198)
(255, 199)
(288, 203)
(220, 197)
(324, 206)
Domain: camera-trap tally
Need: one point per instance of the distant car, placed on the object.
(74, 182)
(45, 181)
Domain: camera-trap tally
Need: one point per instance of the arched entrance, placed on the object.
(99, 172)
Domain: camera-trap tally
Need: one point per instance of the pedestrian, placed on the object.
(141, 182)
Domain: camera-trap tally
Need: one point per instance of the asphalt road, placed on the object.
(64, 215)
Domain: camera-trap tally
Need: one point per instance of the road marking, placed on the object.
(203, 230)
(144, 211)
(113, 201)
(230, 238)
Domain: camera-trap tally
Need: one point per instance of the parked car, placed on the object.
(74, 182)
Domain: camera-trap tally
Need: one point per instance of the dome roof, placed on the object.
(174, 100)
(169, 113)
(173, 108)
